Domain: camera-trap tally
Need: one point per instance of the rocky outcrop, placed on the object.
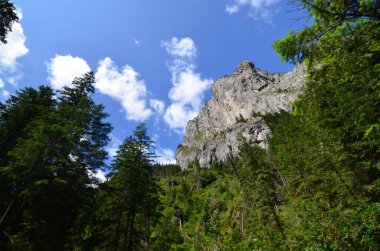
(233, 114)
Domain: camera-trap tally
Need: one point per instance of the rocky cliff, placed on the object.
(232, 115)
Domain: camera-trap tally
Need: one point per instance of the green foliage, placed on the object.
(341, 50)
(165, 170)
(48, 146)
(129, 210)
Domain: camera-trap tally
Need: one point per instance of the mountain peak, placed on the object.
(243, 66)
(234, 114)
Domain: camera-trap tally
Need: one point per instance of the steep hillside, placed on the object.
(233, 114)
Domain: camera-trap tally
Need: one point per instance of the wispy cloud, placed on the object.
(113, 145)
(262, 10)
(157, 105)
(125, 86)
(137, 42)
(4, 93)
(188, 88)
(62, 70)
(165, 156)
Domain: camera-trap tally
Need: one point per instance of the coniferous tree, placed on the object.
(48, 168)
(16, 117)
(328, 150)
(129, 210)
(341, 51)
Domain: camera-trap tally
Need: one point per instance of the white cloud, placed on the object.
(180, 48)
(5, 93)
(14, 49)
(114, 146)
(98, 174)
(63, 69)
(188, 88)
(259, 9)
(165, 156)
(14, 79)
(125, 87)
(157, 105)
(232, 9)
(101, 176)
(177, 115)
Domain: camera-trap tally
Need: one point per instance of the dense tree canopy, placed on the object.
(49, 146)
(341, 50)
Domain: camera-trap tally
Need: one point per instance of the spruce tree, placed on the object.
(129, 210)
(47, 173)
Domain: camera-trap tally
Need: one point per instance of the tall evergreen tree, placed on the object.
(16, 116)
(130, 206)
(48, 168)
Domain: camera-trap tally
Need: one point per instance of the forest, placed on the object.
(316, 188)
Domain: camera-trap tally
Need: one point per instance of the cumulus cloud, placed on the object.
(124, 86)
(188, 88)
(14, 49)
(259, 9)
(63, 69)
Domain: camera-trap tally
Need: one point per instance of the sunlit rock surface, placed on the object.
(232, 115)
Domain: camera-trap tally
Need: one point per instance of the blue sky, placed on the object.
(154, 60)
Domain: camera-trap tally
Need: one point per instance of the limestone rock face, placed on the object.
(232, 115)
